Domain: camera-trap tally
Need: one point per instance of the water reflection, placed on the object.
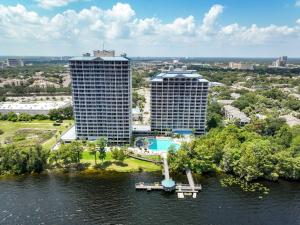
(110, 198)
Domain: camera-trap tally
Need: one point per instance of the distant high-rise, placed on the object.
(179, 101)
(101, 88)
(281, 61)
(14, 62)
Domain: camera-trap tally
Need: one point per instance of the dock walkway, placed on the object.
(190, 177)
(181, 189)
(166, 168)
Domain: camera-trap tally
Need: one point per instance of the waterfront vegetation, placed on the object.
(266, 149)
(16, 158)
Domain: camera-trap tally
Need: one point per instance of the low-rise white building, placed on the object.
(232, 113)
(136, 114)
(33, 108)
(291, 120)
(241, 66)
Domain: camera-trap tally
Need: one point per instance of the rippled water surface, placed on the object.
(112, 199)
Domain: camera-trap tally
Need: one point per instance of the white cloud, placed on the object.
(297, 4)
(255, 35)
(48, 4)
(120, 27)
(211, 16)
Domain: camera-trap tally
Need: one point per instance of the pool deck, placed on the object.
(161, 151)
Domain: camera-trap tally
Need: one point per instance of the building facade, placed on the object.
(240, 66)
(179, 102)
(101, 89)
(14, 62)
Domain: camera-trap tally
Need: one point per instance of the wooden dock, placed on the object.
(181, 189)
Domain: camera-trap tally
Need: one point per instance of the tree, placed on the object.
(213, 120)
(102, 154)
(246, 100)
(284, 136)
(61, 113)
(115, 153)
(24, 117)
(101, 143)
(70, 153)
(93, 151)
(122, 155)
(11, 116)
(19, 160)
(256, 160)
(37, 159)
(77, 148)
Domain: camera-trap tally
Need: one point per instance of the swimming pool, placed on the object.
(161, 144)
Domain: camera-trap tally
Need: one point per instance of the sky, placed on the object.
(173, 28)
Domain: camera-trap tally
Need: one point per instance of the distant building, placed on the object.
(235, 95)
(280, 62)
(291, 120)
(232, 113)
(240, 66)
(2, 65)
(178, 101)
(216, 84)
(104, 53)
(14, 62)
(32, 108)
(101, 89)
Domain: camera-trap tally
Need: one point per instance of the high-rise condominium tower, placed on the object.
(101, 88)
(178, 102)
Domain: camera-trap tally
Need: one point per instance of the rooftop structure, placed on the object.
(69, 135)
(104, 53)
(178, 101)
(136, 114)
(233, 113)
(291, 120)
(225, 102)
(101, 89)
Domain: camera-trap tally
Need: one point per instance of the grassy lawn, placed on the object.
(37, 131)
(129, 164)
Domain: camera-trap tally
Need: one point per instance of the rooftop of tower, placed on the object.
(93, 58)
(178, 73)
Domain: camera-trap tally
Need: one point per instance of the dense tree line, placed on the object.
(67, 154)
(272, 98)
(18, 160)
(55, 114)
(265, 149)
(25, 89)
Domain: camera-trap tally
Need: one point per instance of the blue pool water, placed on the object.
(161, 144)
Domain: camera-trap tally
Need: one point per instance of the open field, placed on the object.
(33, 132)
(129, 164)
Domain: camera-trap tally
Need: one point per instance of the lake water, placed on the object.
(110, 198)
